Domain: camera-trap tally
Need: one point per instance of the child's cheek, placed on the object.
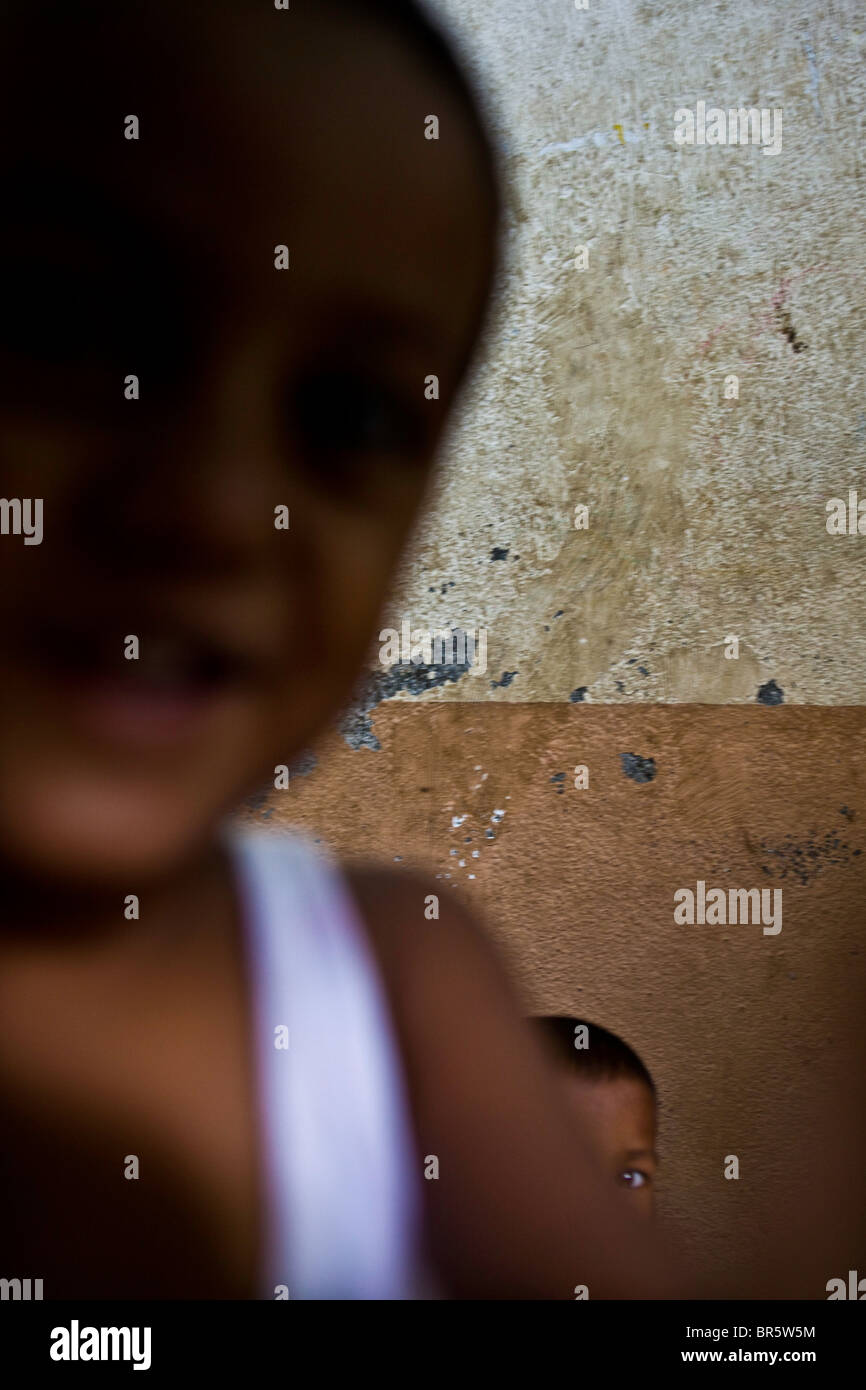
(347, 578)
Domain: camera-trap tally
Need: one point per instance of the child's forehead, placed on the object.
(316, 142)
(613, 1096)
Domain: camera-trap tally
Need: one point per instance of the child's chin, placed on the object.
(95, 837)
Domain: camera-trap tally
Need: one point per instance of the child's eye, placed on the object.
(633, 1177)
(341, 413)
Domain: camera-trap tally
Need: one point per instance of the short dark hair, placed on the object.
(430, 37)
(408, 18)
(414, 22)
(55, 27)
(605, 1055)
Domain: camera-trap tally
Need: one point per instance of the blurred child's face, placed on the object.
(260, 388)
(617, 1114)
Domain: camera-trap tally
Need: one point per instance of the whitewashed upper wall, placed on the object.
(605, 386)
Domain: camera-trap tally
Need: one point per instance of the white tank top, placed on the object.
(341, 1175)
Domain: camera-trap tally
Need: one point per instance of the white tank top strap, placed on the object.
(340, 1168)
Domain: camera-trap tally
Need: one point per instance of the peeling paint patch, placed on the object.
(637, 768)
(806, 860)
(770, 694)
(377, 686)
(357, 729)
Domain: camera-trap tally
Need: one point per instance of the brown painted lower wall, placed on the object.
(747, 1034)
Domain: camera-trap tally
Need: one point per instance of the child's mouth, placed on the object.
(138, 688)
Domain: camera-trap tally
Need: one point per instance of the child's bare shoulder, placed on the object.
(454, 1007)
(426, 940)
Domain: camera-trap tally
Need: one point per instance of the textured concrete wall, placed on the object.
(605, 386)
(707, 518)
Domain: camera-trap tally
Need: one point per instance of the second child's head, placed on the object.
(230, 443)
(610, 1093)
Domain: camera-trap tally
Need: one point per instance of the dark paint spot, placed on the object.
(643, 670)
(770, 694)
(805, 861)
(499, 552)
(787, 328)
(637, 768)
(578, 695)
(507, 678)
